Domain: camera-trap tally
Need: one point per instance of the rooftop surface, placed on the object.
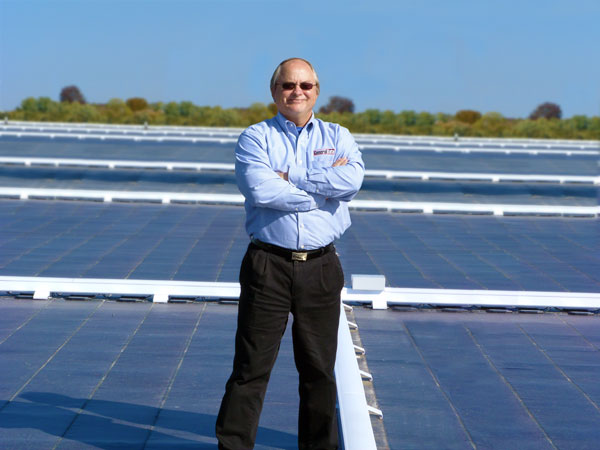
(98, 372)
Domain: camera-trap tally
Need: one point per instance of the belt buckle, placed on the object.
(298, 256)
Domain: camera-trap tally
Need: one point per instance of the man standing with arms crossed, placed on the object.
(297, 174)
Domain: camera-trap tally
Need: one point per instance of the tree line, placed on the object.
(544, 122)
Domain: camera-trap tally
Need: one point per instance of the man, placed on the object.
(297, 174)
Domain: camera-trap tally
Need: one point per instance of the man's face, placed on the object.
(295, 104)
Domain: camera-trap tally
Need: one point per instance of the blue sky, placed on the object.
(436, 56)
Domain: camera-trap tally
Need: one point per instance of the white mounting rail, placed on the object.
(460, 149)
(161, 289)
(109, 196)
(476, 208)
(493, 177)
(355, 422)
(471, 297)
(112, 127)
(25, 193)
(121, 137)
(234, 132)
(126, 130)
(225, 167)
(42, 287)
(477, 141)
(117, 163)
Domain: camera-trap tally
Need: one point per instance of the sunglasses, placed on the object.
(289, 86)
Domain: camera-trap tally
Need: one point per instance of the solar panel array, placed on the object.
(134, 241)
(77, 374)
(186, 242)
(375, 158)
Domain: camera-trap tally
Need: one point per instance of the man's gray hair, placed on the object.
(275, 77)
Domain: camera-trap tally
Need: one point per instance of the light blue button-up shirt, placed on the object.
(310, 210)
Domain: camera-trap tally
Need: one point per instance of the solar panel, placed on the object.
(483, 380)
(206, 243)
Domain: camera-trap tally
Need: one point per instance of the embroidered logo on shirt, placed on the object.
(324, 151)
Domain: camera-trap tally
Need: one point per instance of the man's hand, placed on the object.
(340, 162)
(283, 175)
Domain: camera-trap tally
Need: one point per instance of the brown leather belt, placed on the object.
(292, 255)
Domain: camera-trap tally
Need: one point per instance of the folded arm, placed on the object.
(342, 180)
(260, 183)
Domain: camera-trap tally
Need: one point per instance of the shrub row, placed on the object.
(464, 123)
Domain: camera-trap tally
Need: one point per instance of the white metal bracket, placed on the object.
(375, 412)
(359, 350)
(366, 375)
(41, 294)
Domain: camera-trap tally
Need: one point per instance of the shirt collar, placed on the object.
(289, 125)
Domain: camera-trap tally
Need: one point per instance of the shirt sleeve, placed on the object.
(341, 182)
(261, 186)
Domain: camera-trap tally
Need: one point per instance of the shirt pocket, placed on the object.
(323, 157)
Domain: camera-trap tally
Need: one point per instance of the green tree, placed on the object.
(44, 104)
(389, 122)
(171, 110)
(256, 113)
(527, 128)
(490, 124)
(594, 128)
(186, 109)
(224, 117)
(372, 116)
(424, 120)
(407, 118)
(579, 122)
(442, 117)
(30, 109)
(117, 111)
(77, 112)
(29, 104)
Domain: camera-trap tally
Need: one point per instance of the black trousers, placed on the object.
(272, 286)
